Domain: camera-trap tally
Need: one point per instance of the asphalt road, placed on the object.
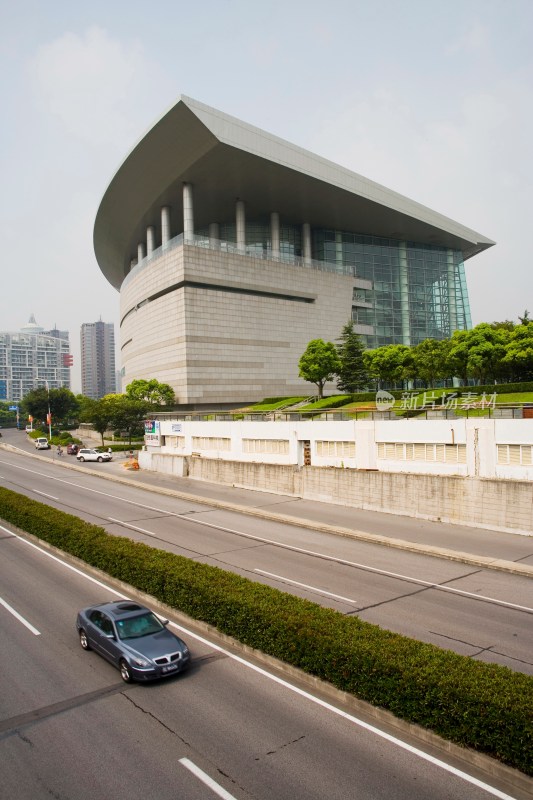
(484, 614)
(71, 729)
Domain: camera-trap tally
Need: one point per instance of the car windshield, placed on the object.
(141, 625)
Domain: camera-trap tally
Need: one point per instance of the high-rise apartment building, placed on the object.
(98, 359)
(33, 358)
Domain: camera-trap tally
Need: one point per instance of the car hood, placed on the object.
(155, 645)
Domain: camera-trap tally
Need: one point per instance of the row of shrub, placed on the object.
(482, 706)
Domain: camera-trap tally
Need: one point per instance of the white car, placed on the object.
(88, 454)
(42, 443)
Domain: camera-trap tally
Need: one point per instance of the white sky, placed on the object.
(432, 99)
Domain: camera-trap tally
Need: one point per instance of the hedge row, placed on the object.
(482, 706)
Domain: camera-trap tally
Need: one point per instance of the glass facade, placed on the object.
(409, 291)
(418, 290)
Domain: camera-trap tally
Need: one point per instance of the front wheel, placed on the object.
(100, 460)
(84, 640)
(125, 672)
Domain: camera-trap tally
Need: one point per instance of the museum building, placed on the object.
(232, 249)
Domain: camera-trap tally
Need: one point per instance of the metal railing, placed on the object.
(502, 412)
(223, 246)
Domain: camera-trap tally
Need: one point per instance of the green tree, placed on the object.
(97, 413)
(7, 418)
(153, 392)
(519, 352)
(126, 413)
(352, 374)
(457, 357)
(62, 403)
(387, 364)
(430, 358)
(319, 363)
(486, 351)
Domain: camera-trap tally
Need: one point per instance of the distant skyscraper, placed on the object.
(98, 359)
(33, 358)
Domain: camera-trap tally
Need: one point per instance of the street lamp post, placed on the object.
(49, 416)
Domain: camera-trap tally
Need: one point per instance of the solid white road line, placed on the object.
(51, 496)
(305, 586)
(204, 777)
(133, 527)
(339, 712)
(19, 617)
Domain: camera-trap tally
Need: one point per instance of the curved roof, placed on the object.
(226, 159)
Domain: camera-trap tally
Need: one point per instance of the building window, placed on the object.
(335, 449)
(516, 455)
(210, 443)
(422, 451)
(176, 442)
(270, 446)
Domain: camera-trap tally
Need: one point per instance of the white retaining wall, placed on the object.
(471, 472)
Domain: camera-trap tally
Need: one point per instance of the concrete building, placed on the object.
(232, 249)
(33, 358)
(98, 376)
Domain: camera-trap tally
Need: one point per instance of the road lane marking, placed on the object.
(51, 496)
(293, 548)
(281, 682)
(133, 527)
(19, 617)
(204, 777)
(305, 586)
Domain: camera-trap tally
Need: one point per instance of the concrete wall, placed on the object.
(494, 504)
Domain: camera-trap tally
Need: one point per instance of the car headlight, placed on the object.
(141, 662)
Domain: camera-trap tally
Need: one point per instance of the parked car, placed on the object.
(72, 449)
(42, 443)
(133, 639)
(89, 454)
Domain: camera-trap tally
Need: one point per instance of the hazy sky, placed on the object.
(432, 99)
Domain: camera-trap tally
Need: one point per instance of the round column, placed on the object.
(306, 242)
(188, 213)
(165, 225)
(150, 240)
(240, 224)
(214, 235)
(275, 234)
(141, 252)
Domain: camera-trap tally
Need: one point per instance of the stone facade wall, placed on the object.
(234, 331)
